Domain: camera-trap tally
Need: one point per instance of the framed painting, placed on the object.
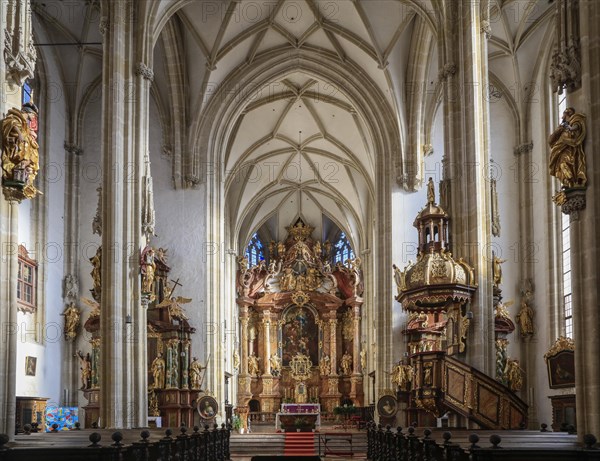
(30, 365)
(207, 407)
(560, 360)
(387, 406)
(561, 370)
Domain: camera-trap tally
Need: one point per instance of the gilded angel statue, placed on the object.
(174, 305)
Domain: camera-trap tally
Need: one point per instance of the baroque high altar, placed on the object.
(300, 322)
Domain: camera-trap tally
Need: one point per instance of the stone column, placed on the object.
(9, 222)
(71, 261)
(333, 342)
(356, 340)
(267, 341)
(244, 319)
(17, 65)
(464, 75)
(123, 361)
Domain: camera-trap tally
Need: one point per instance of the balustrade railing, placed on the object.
(385, 444)
(210, 444)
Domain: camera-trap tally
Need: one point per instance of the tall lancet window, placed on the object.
(26, 94)
(255, 252)
(342, 249)
(566, 250)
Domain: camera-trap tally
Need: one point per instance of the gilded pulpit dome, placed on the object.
(436, 276)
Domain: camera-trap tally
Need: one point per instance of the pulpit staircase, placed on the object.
(453, 385)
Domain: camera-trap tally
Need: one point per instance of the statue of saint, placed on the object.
(195, 374)
(275, 363)
(325, 365)
(158, 371)
(430, 191)
(513, 375)
(567, 159)
(148, 267)
(253, 368)
(497, 269)
(85, 363)
(288, 280)
(525, 319)
(236, 360)
(72, 317)
(20, 156)
(96, 273)
(346, 363)
(363, 359)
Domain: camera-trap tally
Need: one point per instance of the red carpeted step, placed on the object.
(299, 444)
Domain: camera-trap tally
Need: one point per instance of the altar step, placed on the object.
(299, 444)
(256, 444)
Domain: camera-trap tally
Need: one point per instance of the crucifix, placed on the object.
(175, 285)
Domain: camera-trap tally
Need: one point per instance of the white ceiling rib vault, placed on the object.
(303, 142)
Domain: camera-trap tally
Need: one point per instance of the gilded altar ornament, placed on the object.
(153, 403)
(402, 376)
(300, 367)
(20, 156)
(174, 305)
(195, 373)
(567, 159)
(85, 365)
(158, 372)
(514, 375)
(72, 318)
(561, 344)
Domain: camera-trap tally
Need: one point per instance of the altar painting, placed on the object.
(300, 335)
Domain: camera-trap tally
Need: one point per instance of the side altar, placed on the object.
(300, 326)
(174, 376)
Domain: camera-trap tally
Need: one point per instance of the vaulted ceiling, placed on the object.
(302, 144)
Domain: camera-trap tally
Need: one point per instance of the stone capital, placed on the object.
(447, 70)
(73, 149)
(524, 148)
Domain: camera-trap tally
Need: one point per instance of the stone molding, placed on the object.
(146, 72)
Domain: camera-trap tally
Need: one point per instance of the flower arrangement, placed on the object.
(300, 423)
(236, 422)
(345, 410)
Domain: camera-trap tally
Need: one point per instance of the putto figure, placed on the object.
(567, 159)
